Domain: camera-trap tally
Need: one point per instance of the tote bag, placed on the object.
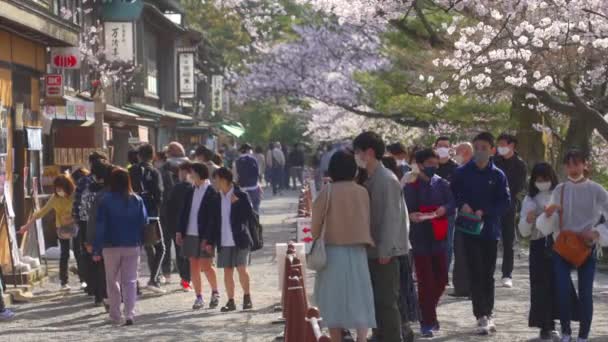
(316, 259)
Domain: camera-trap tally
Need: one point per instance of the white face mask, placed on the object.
(503, 151)
(443, 152)
(577, 179)
(543, 186)
(401, 162)
(459, 159)
(360, 162)
(61, 193)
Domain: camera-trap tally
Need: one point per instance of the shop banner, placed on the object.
(34, 139)
(186, 75)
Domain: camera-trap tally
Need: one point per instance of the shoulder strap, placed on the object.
(561, 208)
(323, 226)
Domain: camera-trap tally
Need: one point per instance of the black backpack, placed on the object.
(256, 230)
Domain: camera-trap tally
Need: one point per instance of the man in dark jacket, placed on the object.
(246, 174)
(296, 162)
(447, 166)
(516, 171)
(481, 190)
(147, 182)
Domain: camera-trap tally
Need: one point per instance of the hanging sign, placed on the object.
(186, 75)
(119, 41)
(54, 85)
(217, 92)
(65, 57)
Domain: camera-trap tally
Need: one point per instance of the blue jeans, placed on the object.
(586, 274)
(450, 247)
(256, 198)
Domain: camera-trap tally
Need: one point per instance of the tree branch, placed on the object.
(551, 101)
(434, 38)
(403, 118)
(601, 125)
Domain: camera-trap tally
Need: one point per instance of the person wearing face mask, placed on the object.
(543, 304)
(482, 196)
(576, 206)
(390, 230)
(61, 202)
(197, 220)
(176, 202)
(430, 202)
(399, 152)
(516, 171)
(447, 166)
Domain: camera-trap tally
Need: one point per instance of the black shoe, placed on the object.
(129, 322)
(247, 304)
(407, 333)
(215, 300)
(230, 306)
(347, 336)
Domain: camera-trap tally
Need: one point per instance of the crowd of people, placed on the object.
(106, 214)
(387, 213)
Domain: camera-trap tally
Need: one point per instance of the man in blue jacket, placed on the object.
(481, 189)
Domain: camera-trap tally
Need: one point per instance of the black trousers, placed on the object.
(508, 241)
(96, 279)
(2, 288)
(155, 255)
(385, 284)
(481, 259)
(544, 306)
(183, 265)
(460, 276)
(65, 257)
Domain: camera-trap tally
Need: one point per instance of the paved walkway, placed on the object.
(170, 318)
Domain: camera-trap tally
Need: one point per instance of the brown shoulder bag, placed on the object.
(569, 245)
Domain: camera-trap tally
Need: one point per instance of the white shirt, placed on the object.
(197, 199)
(536, 204)
(227, 238)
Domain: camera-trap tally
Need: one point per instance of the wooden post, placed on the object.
(313, 328)
(296, 315)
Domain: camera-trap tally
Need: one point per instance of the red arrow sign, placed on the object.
(65, 58)
(308, 239)
(306, 230)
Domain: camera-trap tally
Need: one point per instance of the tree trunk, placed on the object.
(579, 134)
(531, 146)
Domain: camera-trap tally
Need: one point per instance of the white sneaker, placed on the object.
(163, 280)
(65, 287)
(83, 285)
(491, 325)
(566, 338)
(482, 326)
(507, 282)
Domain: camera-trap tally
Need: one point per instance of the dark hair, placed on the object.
(396, 148)
(145, 152)
(120, 182)
(186, 166)
(200, 169)
(412, 153)
(224, 173)
(132, 157)
(342, 166)
(391, 163)
(544, 170)
(442, 138)
(217, 159)
(485, 136)
(509, 138)
(161, 155)
(204, 152)
(258, 149)
(65, 183)
(425, 154)
(367, 140)
(79, 173)
(96, 157)
(245, 148)
(575, 156)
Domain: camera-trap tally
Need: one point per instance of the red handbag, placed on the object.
(440, 224)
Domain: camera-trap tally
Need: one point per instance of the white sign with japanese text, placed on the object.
(186, 75)
(119, 41)
(217, 92)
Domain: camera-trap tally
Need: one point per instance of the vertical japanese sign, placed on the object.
(186, 75)
(217, 92)
(119, 41)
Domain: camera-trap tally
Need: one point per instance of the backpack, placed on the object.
(248, 171)
(146, 178)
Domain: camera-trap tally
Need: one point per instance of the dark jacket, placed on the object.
(208, 218)
(120, 222)
(419, 194)
(516, 171)
(147, 182)
(176, 201)
(241, 217)
(483, 189)
(446, 171)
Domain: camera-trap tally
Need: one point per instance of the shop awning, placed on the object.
(235, 128)
(152, 111)
(115, 111)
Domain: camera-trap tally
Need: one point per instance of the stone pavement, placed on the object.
(169, 317)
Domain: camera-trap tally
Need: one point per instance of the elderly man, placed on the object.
(464, 153)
